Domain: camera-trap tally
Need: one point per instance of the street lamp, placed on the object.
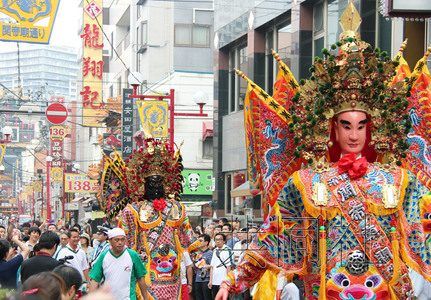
(200, 98)
(48, 186)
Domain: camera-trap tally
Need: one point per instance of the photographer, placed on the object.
(10, 262)
(202, 264)
(43, 260)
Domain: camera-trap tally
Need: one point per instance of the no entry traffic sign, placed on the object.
(56, 113)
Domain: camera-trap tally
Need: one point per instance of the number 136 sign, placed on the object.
(79, 183)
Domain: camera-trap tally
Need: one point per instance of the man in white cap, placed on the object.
(120, 267)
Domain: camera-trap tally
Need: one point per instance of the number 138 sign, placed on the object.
(79, 183)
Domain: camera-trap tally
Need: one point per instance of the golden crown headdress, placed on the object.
(351, 76)
(153, 158)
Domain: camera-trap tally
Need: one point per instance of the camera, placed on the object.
(203, 273)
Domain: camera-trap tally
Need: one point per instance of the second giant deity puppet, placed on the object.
(145, 193)
(350, 222)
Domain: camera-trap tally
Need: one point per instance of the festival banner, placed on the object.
(92, 63)
(154, 117)
(27, 21)
(418, 158)
(127, 124)
(285, 86)
(270, 156)
(274, 154)
(251, 121)
(80, 183)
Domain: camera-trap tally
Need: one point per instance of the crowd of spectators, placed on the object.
(43, 261)
(222, 245)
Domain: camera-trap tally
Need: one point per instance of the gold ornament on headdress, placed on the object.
(354, 78)
(154, 158)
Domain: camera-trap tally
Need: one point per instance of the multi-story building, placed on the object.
(37, 75)
(41, 69)
(170, 44)
(245, 33)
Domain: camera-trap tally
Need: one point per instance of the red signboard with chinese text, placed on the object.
(56, 135)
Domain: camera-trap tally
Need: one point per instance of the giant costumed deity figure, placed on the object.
(146, 200)
(350, 221)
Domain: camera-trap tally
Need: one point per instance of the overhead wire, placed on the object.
(115, 51)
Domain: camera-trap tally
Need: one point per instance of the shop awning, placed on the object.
(207, 129)
(194, 209)
(243, 191)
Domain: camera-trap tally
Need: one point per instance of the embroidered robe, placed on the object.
(290, 240)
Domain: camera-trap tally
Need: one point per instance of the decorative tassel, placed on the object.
(322, 256)
(396, 254)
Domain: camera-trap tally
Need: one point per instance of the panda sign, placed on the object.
(197, 182)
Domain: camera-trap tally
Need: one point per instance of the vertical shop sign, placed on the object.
(56, 135)
(127, 138)
(92, 63)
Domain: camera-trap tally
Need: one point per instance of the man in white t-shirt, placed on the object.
(186, 275)
(74, 255)
(220, 263)
(121, 269)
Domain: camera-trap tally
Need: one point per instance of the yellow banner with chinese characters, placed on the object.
(154, 117)
(92, 63)
(27, 21)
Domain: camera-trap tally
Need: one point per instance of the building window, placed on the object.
(269, 62)
(182, 35)
(192, 35)
(119, 86)
(384, 33)
(318, 28)
(112, 44)
(138, 12)
(142, 34)
(279, 38)
(111, 91)
(138, 62)
(237, 86)
(207, 148)
(326, 28)
(232, 181)
(200, 36)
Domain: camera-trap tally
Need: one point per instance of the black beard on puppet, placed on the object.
(154, 187)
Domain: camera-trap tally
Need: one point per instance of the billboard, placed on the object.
(27, 21)
(197, 182)
(79, 183)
